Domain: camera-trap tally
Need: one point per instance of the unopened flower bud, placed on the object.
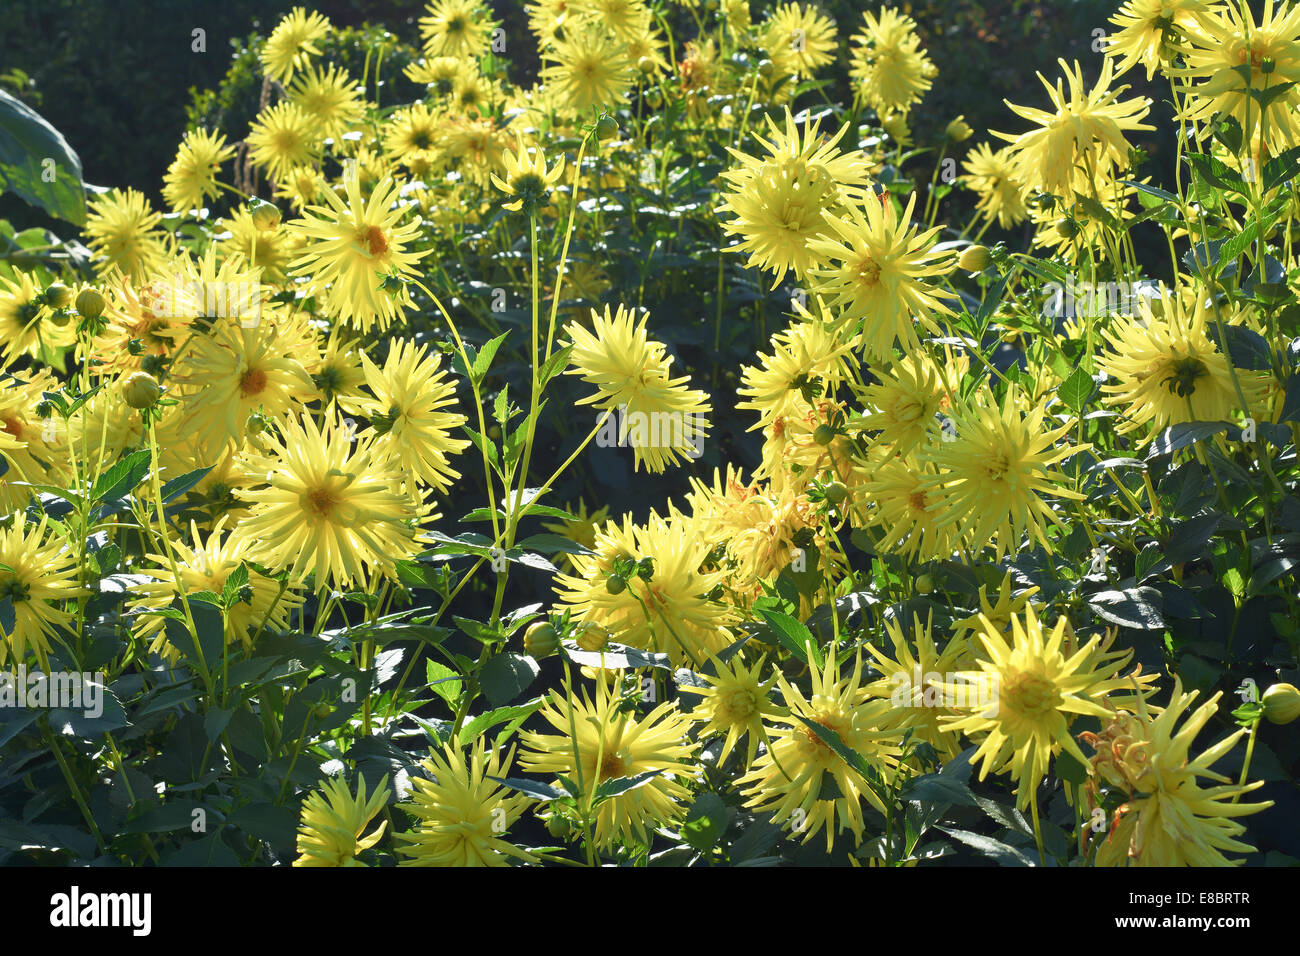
(591, 637)
(1281, 703)
(90, 304)
(58, 295)
(958, 131)
(266, 215)
(141, 390)
(974, 259)
(540, 640)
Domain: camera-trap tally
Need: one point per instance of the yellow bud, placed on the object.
(1281, 703)
(975, 259)
(90, 304)
(958, 131)
(141, 390)
(591, 637)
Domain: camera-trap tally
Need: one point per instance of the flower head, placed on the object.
(292, 43)
(192, 176)
(329, 833)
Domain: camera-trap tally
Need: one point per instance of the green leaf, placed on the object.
(1179, 436)
(118, 480)
(1137, 608)
(617, 657)
(1077, 389)
(182, 483)
(851, 757)
(794, 637)
(471, 731)
(621, 785)
(705, 821)
(236, 581)
(483, 361)
(37, 164)
(530, 788)
(506, 676)
(1004, 854)
(443, 681)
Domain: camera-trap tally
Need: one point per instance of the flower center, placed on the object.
(738, 705)
(1183, 373)
(612, 766)
(320, 501)
(374, 241)
(252, 382)
(12, 426)
(1031, 695)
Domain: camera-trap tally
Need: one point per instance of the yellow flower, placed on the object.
(656, 414)
(798, 39)
(671, 613)
(789, 778)
(891, 70)
(458, 28)
(292, 43)
(1229, 46)
(779, 201)
(329, 507)
(282, 137)
(1083, 136)
(351, 247)
(411, 135)
(612, 744)
(270, 250)
(807, 360)
(123, 228)
(1024, 696)
(330, 97)
(900, 498)
(1167, 369)
(33, 448)
(581, 529)
(463, 813)
(1001, 194)
(736, 700)
(192, 176)
(38, 572)
(1153, 32)
(409, 392)
(26, 320)
(590, 70)
(527, 180)
(329, 833)
(1169, 818)
(875, 265)
(908, 395)
(996, 472)
(206, 566)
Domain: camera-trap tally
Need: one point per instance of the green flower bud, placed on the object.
(141, 390)
(823, 434)
(541, 640)
(1281, 703)
(607, 127)
(975, 259)
(90, 304)
(58, 295)
(836, 492)
(591, 637)
(266, 215)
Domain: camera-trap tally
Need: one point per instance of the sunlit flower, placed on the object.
(333, 820)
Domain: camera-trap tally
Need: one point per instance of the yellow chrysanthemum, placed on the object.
(997, 472)
(908, 394)
(283, 136)
(329, 833)
(27, 323)
(1082, 136)
(33, 447)
(349, 250)
(899, 497)
(808, 360)
(671, 613)
(192, 176)
(1169, 819)
(463, 813)
(1024, 696)
(736, 699)
(798, 39)
(993, 177)
(270, 250)
(889, 66)
(292, 43)
(651, 411)
(527, 181)
(123, 228)
(1153, 32)
(1168, 370)
(456, 28)
(330, 97)
(875, 265)
(1229, 46)
(405, 412)
(612, 744)
(590, 69)
(38, 572)
(411, 135)
(329, 507)
(789, 778)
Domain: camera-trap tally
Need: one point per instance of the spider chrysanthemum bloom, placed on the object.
(283, 136)
(527, 181)
(1168, 370)
(329, 507)
(351, 247)
(330, 97)
(410, 392)
(612, 744)
(192, 176)
(808, 359)
(658, 415)
(912, 683)
(1024, 696)
(38, 572)
(270, 250)
(902, 404)
(477, 145)
(1153, 32)
(292, 43)
(1231, 46)
(205, 564)
(788, 779)
(457, 28)
(26, 322)
(672, 613)
(993, 177)
(333, 820)
(412, 135)
(626, 19)
(302, 186)
(439, 73)
(590, 69)
(233, 371)
(996, 474)
(1081, 137)
(798, 39)
(736, 699)
(999, 613)
(463, 813)
(339, 377)
(123, 228)
(889, 66)
(33, 446)
(778, 200)
(877, 265)
(899, 496)
(1169, 818)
